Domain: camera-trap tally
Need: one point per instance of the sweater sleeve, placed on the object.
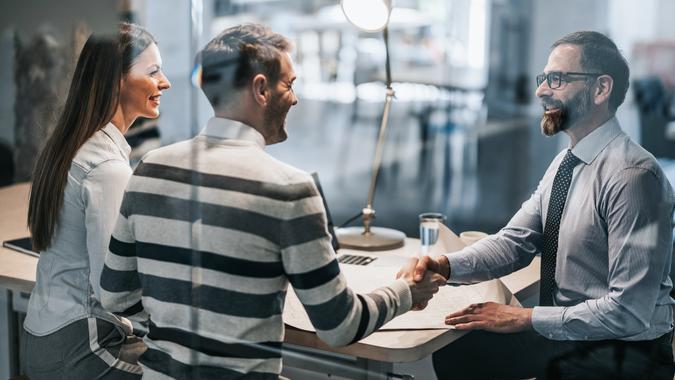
(120, 283)
(339, 315)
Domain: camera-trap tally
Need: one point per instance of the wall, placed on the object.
(25, 19)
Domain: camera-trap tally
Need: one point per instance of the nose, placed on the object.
(164, 83)
(543, 90)
(295, 99)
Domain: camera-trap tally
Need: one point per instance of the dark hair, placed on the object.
(600, 54)
(92, 100)
(231, 59)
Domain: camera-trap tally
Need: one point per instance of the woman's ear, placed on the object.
(605, 83)
(259, 89)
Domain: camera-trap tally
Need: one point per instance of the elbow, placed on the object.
(106, 303)
(635, 328)
(631, 323)
(109, 302)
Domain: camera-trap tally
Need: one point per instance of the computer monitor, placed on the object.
(331, 226)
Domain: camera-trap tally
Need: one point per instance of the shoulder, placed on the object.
(109, 175)
(632, 171)
(97, 150)
(624, 156)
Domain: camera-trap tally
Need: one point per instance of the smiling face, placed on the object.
(564, 106)
(142, 86)
(281, 101)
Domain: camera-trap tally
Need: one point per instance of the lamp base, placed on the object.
(379, 239)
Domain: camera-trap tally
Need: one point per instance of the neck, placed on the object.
(122, 121)
(583, 127)
(242, 112)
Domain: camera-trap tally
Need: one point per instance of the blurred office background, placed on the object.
(463, 135)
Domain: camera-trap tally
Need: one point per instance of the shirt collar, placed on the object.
(589, 147)
(118, 138)
(226, 129)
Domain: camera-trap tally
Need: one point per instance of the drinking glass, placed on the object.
(430, 227)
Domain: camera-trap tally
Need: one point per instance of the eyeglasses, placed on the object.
(555, 79)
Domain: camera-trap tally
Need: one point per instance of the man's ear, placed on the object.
(259, 89)
(603, 90)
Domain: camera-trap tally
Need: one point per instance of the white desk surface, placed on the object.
(17, 273)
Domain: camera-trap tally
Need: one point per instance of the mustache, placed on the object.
(548, 102)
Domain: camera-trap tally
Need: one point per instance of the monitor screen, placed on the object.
(331, 227)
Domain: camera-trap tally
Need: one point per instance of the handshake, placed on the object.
(424, 276)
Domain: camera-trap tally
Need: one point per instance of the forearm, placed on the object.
(339, 315)
(366, 314)
(121, 293)
(492, 257)
(120, 285)
(596, 319)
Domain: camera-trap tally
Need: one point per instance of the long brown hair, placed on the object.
(92, 101)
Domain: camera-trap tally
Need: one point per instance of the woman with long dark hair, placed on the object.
(78, 183)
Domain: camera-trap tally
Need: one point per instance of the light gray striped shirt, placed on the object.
(614, 249)
(211, 232)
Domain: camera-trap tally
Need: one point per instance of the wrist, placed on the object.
(527, 318)
(444, 266)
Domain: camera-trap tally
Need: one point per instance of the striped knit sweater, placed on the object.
(210, 233)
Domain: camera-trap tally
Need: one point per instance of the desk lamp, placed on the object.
(372, 16)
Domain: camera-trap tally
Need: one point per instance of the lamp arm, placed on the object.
(368, 211)
(377, 162)
(387, 66)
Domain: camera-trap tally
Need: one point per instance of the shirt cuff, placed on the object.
(402, 290)
(547, 321)
(461, 267)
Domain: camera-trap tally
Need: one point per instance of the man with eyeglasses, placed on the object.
(601, 220)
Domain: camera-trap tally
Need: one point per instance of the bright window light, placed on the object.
(477, 33)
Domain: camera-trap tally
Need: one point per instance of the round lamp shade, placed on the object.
(367, 15)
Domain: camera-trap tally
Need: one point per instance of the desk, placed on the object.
(374, 354)
(17, 270)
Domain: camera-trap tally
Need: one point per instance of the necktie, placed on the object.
(556, 205)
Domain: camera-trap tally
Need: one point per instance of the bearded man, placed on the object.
(601, 220)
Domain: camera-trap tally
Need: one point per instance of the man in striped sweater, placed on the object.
(212, 230)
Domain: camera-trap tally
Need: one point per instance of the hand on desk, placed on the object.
(491, 316)
(422, 290)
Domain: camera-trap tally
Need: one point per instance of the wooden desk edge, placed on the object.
(16, 285)
(373, 352)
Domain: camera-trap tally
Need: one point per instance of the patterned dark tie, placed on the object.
(556, 205)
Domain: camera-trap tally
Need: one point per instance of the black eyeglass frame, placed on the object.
(557, 82)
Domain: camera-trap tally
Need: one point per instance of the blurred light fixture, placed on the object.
(367, 15)
(372, 16)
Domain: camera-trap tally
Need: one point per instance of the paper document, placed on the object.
(366, 279)
(447, 242)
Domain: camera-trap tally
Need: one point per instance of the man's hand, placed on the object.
(424, 289)
(492, 317)
(438, 265)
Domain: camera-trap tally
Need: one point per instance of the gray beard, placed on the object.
(567, 114)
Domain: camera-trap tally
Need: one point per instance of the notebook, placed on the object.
(23, 245)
